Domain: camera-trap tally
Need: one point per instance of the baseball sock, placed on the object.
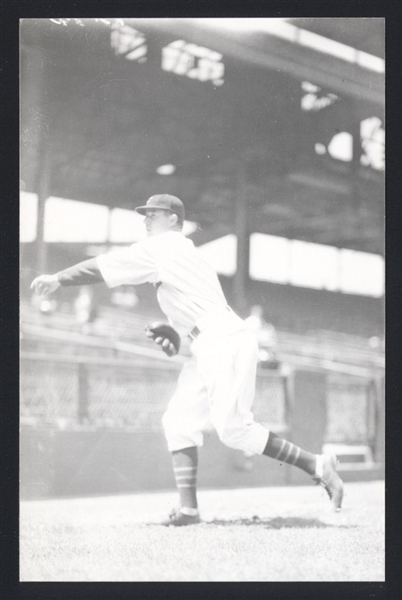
(287, 452)
(185, 463)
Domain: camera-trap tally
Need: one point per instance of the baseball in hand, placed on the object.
(45, 284)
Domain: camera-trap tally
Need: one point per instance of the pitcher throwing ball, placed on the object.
(217, 384)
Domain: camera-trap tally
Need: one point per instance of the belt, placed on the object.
(195, 332)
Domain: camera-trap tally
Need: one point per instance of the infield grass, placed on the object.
(264, 534)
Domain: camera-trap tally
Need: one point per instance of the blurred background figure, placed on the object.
(377, 342)
(266, 336)
(124, 297)
(85, 308)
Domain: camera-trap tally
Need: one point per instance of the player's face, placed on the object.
(158, 221)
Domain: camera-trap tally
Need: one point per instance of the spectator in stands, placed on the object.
(124, 297)
(85, 307)
(264, 331)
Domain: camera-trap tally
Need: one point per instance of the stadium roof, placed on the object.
(366, 34)
(103, 125)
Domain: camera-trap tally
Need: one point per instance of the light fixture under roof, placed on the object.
(166, 170)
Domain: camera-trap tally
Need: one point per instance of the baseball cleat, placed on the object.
(330, 480)
(179, 519)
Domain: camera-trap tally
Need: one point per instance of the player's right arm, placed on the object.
(132, 265)
(83, 273)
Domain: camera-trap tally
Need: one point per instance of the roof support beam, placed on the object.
(279, 54)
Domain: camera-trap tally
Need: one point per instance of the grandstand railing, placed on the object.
(330, 347)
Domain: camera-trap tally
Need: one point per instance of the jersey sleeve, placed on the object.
(129, 266)
(83, 273)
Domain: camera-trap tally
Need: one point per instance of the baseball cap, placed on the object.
(164, 202)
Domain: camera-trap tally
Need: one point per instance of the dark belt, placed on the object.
(194, 333)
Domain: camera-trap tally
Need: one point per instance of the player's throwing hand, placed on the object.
(45, 284)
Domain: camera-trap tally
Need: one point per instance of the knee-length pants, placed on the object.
(216, 387)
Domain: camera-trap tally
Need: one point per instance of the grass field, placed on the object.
(264, 534)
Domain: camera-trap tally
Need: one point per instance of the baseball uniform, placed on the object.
(216, 386)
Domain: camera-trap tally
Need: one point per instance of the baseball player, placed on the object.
(217, 384)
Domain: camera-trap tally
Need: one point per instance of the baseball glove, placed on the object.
(164, 335)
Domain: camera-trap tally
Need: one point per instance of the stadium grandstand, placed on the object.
(272, 133)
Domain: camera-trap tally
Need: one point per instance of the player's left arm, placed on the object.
(165, 336)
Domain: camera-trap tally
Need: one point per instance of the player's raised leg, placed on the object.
(322, 467)
(231, 387)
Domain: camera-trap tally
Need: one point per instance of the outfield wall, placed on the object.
(61, 457)
(58, 464)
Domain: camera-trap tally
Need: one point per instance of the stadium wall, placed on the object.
(58, 463)
(64, 460)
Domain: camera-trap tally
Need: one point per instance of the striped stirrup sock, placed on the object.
(285, 451)
(185, 463)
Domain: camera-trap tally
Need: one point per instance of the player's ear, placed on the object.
(173, 220)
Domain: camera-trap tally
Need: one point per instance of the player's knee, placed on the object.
(233, 437)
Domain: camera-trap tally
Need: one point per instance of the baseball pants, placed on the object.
(216, 388)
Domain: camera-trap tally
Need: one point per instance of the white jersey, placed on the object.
(188, 289)
(216, 385)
